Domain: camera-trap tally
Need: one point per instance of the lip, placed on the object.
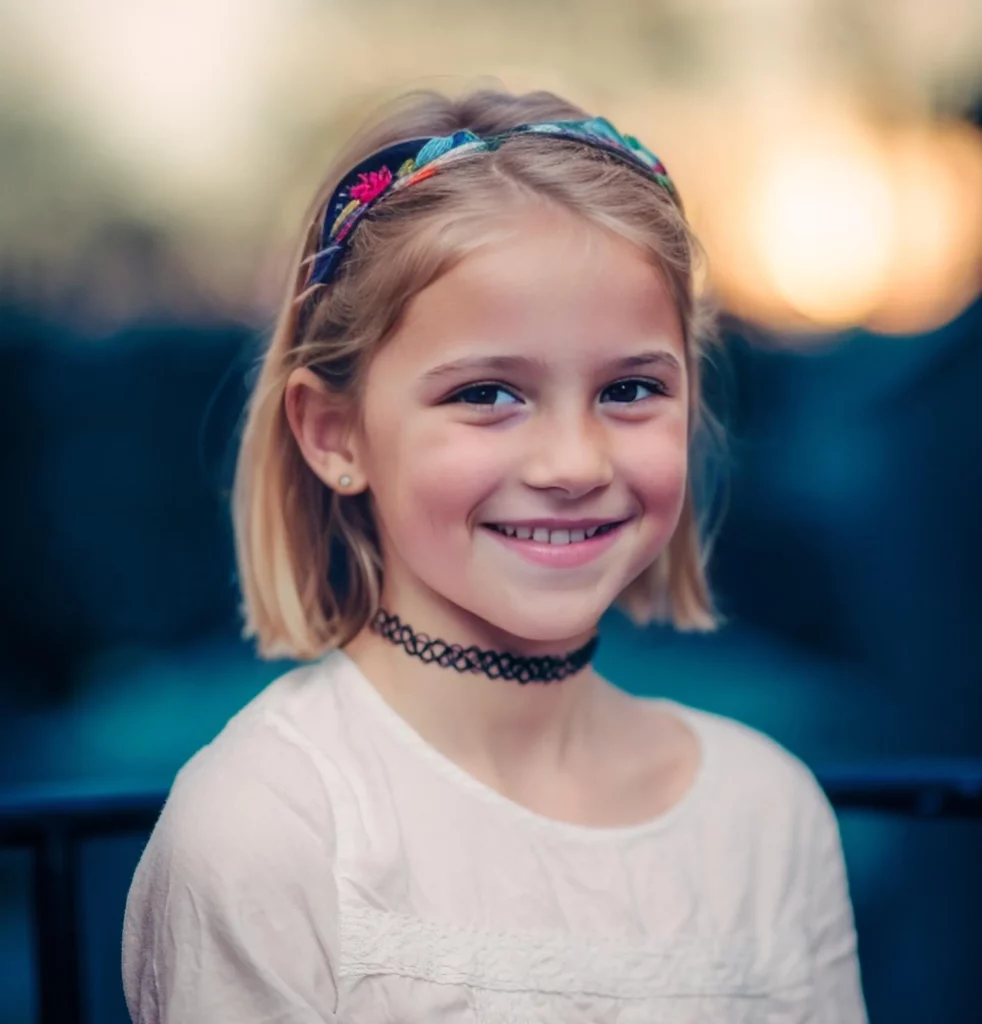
(561, 556)
(559, 524)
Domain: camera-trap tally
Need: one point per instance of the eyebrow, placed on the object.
(656, 357)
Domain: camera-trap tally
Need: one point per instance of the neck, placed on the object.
(498, 728)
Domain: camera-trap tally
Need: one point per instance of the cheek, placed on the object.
(656, 467)
(427, 478)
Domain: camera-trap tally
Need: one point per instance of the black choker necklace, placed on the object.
(497, 665)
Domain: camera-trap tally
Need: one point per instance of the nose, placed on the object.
(568, 454)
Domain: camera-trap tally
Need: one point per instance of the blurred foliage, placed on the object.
(205, 123)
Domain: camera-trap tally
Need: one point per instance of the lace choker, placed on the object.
(496, 664)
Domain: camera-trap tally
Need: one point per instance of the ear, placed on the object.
(322, 424)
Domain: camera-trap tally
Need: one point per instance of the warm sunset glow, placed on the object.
(936, 260)
(847, 224)
(824, 230)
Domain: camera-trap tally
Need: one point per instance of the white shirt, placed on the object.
(319, 861)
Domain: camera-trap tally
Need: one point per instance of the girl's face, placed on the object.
(533, 394)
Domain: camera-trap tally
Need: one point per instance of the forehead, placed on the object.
(547, 283)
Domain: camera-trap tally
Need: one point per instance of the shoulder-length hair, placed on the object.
(309, 563)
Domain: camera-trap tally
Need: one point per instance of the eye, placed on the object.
(483, 394)
(628, 392)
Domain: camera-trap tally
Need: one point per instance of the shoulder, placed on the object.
(250, 793)
(755, 771)
(231, 906)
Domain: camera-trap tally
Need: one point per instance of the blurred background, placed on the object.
(155, 163)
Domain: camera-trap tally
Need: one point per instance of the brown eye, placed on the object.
(483, 394)
(628, 392)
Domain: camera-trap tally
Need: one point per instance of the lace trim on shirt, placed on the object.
(535, 1008)
(381, 942)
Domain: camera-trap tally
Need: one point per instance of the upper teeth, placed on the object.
(544, 536)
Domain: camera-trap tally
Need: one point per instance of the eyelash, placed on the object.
(658, 387)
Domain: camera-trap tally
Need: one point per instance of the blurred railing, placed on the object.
(52, 825)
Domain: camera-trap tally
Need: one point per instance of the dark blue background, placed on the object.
(849, 564)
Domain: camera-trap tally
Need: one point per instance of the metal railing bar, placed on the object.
(917, 788)
(56, 926)
(26, 813)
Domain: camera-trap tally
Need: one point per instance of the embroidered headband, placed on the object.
(405, 163)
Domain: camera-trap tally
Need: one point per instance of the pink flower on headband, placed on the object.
(371, 185)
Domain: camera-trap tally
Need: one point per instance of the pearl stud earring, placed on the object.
(345, 481)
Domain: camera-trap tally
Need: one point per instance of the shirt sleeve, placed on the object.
(835, 962)
(231, 916)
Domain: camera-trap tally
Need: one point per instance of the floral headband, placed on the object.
(398, 166)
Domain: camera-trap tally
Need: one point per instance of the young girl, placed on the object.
(471, 436)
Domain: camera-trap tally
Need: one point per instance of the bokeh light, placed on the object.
(823, 222)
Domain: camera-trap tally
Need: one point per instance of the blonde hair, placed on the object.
(309, 562)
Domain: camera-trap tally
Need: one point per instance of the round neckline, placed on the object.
(362, 686)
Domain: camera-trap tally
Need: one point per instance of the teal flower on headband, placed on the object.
(443, 144)
(601, 128)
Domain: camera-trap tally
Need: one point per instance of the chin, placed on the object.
(548, 619)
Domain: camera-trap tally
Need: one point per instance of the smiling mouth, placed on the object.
(543, 535)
